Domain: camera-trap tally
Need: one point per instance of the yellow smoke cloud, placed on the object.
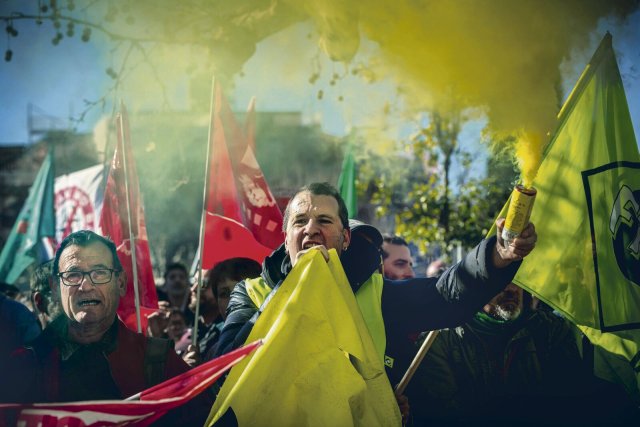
(502, 55)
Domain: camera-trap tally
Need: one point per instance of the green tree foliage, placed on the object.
(428, 204)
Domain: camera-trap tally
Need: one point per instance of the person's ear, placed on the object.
(38, 302)
(346, 234)
(122, 282)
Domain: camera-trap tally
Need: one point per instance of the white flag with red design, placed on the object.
(243, 219)
(78, 201)
(262, 215)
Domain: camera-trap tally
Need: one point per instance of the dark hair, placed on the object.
(40, 279)
(392, 240)
(40, 282)
(85, 238)
(235, 269)
(176, 310)
(175, 266)
(9, 290)
(320, 189)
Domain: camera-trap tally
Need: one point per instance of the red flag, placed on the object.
(114, 223)
(233, 165)
(223, 195)
(261, 212)
(153, 404)
(225, 238)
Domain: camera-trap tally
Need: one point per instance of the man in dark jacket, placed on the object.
(511, 365)
(86, 353)
(316, 219)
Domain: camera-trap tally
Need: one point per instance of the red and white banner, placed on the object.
(153, 404)
(237, 192)
(262, 214)
(78, 201)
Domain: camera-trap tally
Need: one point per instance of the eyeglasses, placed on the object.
(99, 276)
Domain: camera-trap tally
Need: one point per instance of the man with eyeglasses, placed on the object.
(88, 353)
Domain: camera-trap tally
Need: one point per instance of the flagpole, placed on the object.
(203, 217)
(132, 238)
(426, 345)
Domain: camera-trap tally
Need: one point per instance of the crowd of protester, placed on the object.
(500, 358)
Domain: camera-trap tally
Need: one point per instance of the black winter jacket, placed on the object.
(408, 306)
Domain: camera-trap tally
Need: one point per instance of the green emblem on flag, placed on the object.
(388, 361)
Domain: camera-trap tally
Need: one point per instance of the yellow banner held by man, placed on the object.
(318, 365)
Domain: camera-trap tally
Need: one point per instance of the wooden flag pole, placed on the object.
(132, 238)
(203, 217)
(426, 345)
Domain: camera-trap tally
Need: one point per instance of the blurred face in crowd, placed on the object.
(177, 326)
(176, 282)
(225, 286)
(507, 305)
(314, 220)
(90, 304)
(398, 265)
(208, 301)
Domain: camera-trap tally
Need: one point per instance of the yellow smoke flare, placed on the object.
(528, 151)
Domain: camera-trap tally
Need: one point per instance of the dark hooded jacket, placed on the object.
(408, 306)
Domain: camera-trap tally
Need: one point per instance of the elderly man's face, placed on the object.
(88, 303)
(507, 305)
(314, 220)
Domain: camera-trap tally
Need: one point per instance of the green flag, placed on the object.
(587, 216)
(32, 235)
(347, 184)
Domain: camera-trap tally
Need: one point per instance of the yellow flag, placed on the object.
(318, 365)
(587, 216)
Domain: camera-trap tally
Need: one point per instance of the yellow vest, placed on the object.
(368, 297)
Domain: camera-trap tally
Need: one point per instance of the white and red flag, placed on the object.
(122, 220)
(242, 218)
(262, 214)
(78, 201)
(152, 403)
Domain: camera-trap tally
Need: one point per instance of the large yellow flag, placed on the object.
(318, 365)
(587, 216)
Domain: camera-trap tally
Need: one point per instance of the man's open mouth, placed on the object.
(308, 245)
(88, 302)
